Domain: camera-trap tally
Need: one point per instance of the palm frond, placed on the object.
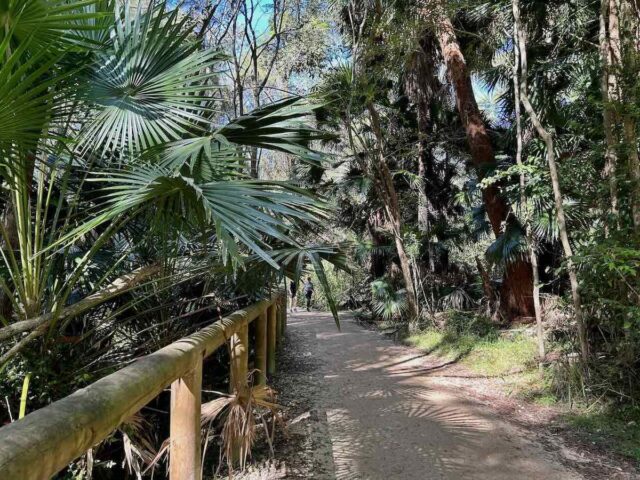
(47, 24)
(509, 246)
(149, 85)
(279, 126)
(244, 210)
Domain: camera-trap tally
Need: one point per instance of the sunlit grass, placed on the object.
(489, 355)
(492, 355)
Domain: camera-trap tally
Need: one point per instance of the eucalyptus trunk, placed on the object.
(531, 239)
(610, 58)
(629, 119)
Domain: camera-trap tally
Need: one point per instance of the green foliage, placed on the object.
(115, 156)
(386, 302)
(609, 272)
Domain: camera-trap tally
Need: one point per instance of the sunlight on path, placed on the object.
(387, 419)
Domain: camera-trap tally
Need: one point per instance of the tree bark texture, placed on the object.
(555, 182)
(515, 295)
(384, 180)
(610, 58)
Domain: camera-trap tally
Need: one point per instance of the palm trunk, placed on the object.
(515, 297)
(420, 85)
(423, 202)
(392, 208)
(555, 182)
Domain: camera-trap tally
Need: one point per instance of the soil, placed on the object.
(358, 406)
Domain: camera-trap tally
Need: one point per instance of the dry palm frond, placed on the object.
(239, 428)
(163, 452)
(211, 410)
(238, 432)
(138, 447)
(89, 464)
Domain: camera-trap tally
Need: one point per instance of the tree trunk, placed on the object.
(377, 267)
(421, 85)
(423, 202)
(555, 182)
(392, 208)
(524, 210)
(487, 288)
(629, 119)
(516, 299)
(254, 159)
(631, 140)
(37, 326)
(609, 40)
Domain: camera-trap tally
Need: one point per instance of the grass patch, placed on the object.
(478, 347)
(615, 428)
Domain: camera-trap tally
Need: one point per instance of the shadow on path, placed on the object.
(385, 419)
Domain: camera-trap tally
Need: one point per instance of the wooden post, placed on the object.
(261, 349)
(240, 360)
(278, 308)
(271, 339)
(284, 314)
(185, 425)
(238, 375)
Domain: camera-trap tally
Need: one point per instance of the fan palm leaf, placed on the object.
(45, 24)
(279, 126)
(242, 210)
(148, 86)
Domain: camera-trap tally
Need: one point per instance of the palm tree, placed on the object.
(112, 145)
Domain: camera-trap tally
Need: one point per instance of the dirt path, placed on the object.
(370, 410)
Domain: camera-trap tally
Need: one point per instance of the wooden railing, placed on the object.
(45, 441)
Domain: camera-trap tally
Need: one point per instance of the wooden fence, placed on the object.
(45, 441)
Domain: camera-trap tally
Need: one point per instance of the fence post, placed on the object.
(186, 393)
(286, 319)
(261, 348)
(271, 339)
(283, 301)
(278, 308)
(240, 360)
(238, 373)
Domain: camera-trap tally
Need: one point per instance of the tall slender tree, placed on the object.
(547, 137)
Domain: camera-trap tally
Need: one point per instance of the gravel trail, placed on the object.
(374, 412)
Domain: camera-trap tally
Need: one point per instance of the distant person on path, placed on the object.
(308, 292)
(293, 292)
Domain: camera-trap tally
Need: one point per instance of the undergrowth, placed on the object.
(619, 428)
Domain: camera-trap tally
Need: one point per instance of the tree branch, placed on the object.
(37, 326)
